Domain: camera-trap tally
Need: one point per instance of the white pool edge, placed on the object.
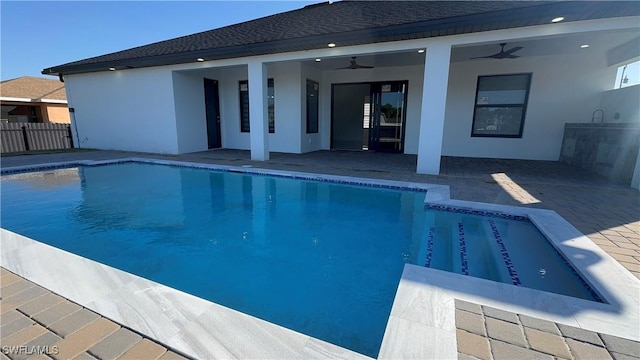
(422, 320)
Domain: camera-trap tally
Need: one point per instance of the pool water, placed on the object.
(320, 258)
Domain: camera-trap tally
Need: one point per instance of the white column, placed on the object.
(434, 100)
(258, 114)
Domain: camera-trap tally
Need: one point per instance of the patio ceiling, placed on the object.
(599, 42)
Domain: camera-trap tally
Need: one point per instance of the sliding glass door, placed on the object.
(369, 116)
(387, 116)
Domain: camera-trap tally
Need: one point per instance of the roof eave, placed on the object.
(498, 20)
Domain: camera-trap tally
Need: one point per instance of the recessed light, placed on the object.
(421, 51)
(200, 59)
(318, 60)
(558, 19)
(331, 45)
(584, 46)
(112, 69)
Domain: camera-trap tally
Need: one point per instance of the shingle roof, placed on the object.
(34, 88)
(350, 23)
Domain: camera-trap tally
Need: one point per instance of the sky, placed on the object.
(38, 34)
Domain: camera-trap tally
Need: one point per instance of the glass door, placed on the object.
(388, 116)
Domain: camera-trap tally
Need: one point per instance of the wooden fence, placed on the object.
(35, 136)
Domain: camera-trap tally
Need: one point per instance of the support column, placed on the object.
(258, 114)
(434, 101)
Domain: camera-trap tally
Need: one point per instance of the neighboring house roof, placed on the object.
(350, 23)
(33, 89)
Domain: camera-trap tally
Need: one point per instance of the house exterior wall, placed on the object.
(623, 102)
(288, 121)
(191, 120)
(56, 113)
(124, 110)
(314, 141)
(563, 89)
(232, 138)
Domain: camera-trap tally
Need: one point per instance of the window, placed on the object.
(244, 106)
(501, 103)
(245, 125)
(628, 75)
(312, 106)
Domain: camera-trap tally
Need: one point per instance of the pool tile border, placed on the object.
(464, 263)
(422, 320)
(505, 255)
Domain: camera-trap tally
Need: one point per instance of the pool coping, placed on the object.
(422, 319)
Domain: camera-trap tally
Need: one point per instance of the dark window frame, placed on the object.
(522, 106)
(313, 121)
(245, 123)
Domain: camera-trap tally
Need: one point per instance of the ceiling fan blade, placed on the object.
(502, 54)
(485, 57)
(354, 65)
(511, 51)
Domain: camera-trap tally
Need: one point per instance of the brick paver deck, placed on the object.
(44, 325)
(486, 333)
(608, 213)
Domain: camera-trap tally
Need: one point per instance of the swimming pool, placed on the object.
(317, 257)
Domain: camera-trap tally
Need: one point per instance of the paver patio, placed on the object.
(608, 213)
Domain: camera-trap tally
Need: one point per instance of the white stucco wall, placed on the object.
(623, 102)
(563, 89)
(286, 78)
(311, 142)
(232, 138)
(191, 120)
(414, 74)
(124, 110)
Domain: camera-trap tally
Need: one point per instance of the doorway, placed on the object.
(212, 110)
(369, 116)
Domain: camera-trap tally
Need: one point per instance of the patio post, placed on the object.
(434, 100)
(258, 114)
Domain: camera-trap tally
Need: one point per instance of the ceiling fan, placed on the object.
(502, 54)
(354, 65)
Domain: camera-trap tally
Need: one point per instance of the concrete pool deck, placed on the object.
(515, 191)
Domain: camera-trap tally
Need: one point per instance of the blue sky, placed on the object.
(35, 35)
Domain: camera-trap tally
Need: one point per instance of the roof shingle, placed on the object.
(350, 22)
(33, 88)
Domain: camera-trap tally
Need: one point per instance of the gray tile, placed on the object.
(467, 306)
(14, 288)
(621, 346)
(40, 304)
(502, 350)
(23, 297)
(470, 322)
(56, 313)
(41, 346)
(500, 314)
(617, 356)
(13, 327)
(505, 331)
(74, 322)
(115, 344)
(539, 324)
(580, 334)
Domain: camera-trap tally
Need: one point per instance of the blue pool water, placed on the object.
(320, 258)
